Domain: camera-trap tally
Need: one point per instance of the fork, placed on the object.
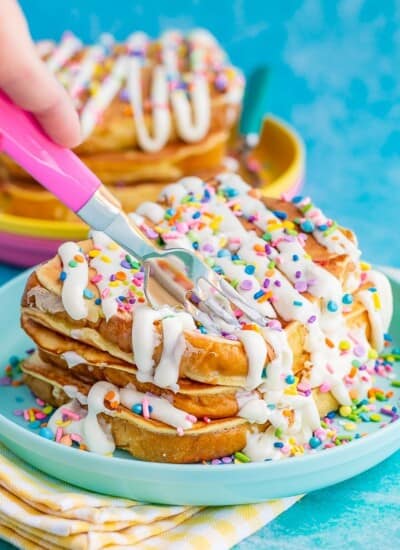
(209, 298)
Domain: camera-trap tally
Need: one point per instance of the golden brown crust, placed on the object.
(147, 439)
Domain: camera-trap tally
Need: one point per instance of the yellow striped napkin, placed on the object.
(39, 512)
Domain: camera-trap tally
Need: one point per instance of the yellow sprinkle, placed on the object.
(106, 259)
(345, 411)
(349, 426)
(94, 88)
(222, 242)
(307, 257)
(48, 409)
(376, 300)
(31, 415)
(287, 224)
(344, 345)
(372, 354)
(364, 266)
(291, 390)
(63, 424)
(114, 283)
(292, 441)
(94, 253)
(112, 246)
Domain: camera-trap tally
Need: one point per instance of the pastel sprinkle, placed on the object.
(241, 457)
(332, 306)
(246, 284)
(347, 299)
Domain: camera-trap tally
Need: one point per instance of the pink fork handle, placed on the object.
(58, 169)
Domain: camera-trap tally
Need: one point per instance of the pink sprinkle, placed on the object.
(96, 278)
(40, 402)
(40, 416)
(320, 433)
(179, 431)
(105, 292)
(145, 408)
(206, 419)
(285, 450)
(329, 369)
(325, 387)
(59, 434)
(191, 418)
(304, 386)
(76, 437)
(26, 414)
(70, 414)
(300, 286)
(182, 227)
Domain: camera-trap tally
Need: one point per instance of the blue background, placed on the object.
(335, 77)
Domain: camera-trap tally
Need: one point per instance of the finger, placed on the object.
(28, 82)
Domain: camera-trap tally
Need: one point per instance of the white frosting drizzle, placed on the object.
(152, 211)
(256, 351)
(114, 253)
(163, 410)
(76, 281)
(335, 241)
(159, 99)
(105, 94)
(96, 436)
(93, 55)
(145, 339)
(174, 345)
(73, 359)
(379, 305)
(68, 47)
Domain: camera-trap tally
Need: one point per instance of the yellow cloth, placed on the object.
(39, 512)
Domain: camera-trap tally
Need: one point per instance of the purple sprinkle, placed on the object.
(230, 337)
(311, 282)
(227, 459)
(18, 412)
(297, 274)
(268, 249)
(312, 319)
(216, 461)
(300, 286)
(274, 325)
(5, 381)
(151, 233)
(112, 277)
(277, 283)
(359, 350)
(246, 284)
(125, 264)
(266, 283)
(208, 247)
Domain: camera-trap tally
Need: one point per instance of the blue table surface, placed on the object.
(335, 77)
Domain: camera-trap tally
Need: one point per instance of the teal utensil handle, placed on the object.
(255, 100)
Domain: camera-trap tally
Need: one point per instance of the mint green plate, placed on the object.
(179, 484)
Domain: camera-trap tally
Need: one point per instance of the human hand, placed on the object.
(27, 81)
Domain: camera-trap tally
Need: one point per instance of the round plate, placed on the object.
(196, 484)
